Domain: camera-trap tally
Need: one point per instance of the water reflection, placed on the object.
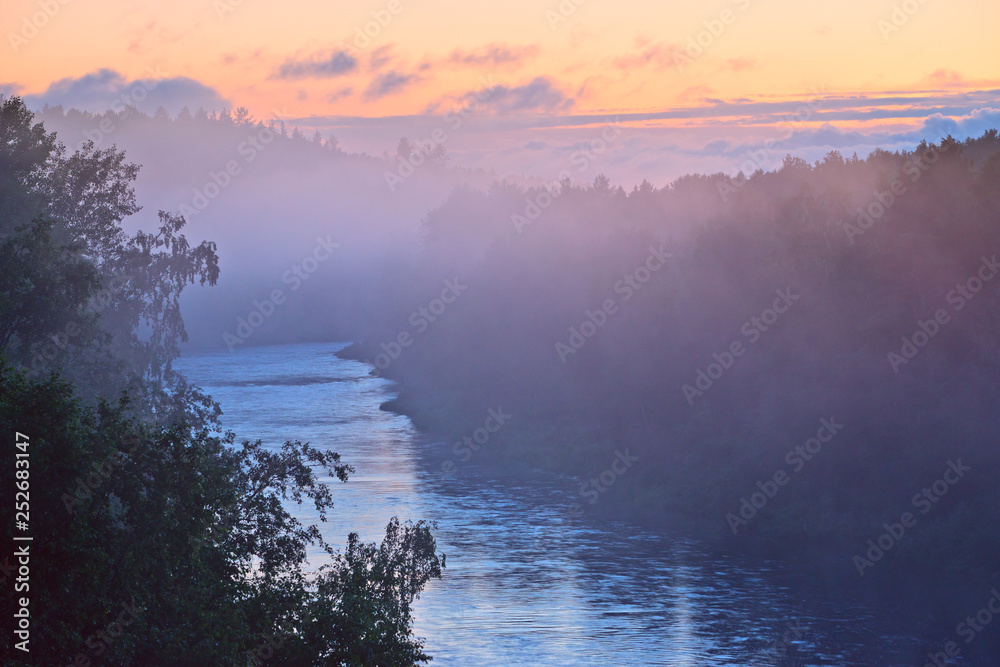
(526, 584)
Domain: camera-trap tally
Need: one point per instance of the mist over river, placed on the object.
(526, 581)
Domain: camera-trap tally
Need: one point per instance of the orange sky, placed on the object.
(698, 84)
(601, 56)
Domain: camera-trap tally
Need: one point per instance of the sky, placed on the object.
(694, 86)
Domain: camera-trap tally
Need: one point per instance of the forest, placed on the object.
(156, 540)
(797, 363)
(794, 356)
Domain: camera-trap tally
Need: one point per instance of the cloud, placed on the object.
(151, 36)
(816, 141)
(971, 125)
(739, 64)
(702, 138)
(660, 55)
(380, 57)
(493, 54)
(910, 108)
(107, 89)
(390, 83)
(537, 95)
(339, 94)
(946, 78)
(317, 66)
(698, 93)
(244, 58)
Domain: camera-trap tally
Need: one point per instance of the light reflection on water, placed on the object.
(525, 584)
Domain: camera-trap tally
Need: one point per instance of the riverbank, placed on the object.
(525, 582)
(827, 548)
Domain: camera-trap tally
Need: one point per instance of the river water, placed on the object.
(527, 582)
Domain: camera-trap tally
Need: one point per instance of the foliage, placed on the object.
(864, 284)
(140, 512)
(195, 534)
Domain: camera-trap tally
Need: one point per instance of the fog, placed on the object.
(791, 359)
(269, 201)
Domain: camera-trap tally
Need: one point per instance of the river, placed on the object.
(527, 582)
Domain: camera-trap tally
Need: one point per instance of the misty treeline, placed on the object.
(265, 192)
(711, 328)
(156, 540)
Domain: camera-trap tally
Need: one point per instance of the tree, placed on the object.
(404, 149)
(64, 243)
(180, 535)
(191, 532)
